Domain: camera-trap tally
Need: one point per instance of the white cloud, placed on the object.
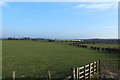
(98, 5)
(80, 6)
(2, 3)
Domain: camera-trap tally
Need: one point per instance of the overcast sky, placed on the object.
(61, 20)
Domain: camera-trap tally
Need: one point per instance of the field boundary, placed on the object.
(86, 72)
(92, 71)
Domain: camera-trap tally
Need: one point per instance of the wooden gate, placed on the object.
(86, 72)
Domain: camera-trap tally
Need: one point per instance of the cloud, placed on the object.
(98, 5)
(2, 3)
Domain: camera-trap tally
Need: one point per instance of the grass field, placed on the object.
(104, 45)
(35, 58)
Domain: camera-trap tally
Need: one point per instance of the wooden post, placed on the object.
(13, 75)
(49, 75)
(96, 67)
(99, 69)
(77, 73)
(90, 70)
(93, 68)
(23, 75)
(84, 73)
(73, 73)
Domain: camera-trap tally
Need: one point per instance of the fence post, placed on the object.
(73, 73)
(93, 69)
(89, 70)
(23, 75)
(96, 67)
(13, 75)
(49, 75)
(77, 73)
(99, 69)
(84, 73)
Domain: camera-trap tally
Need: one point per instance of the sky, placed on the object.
(61, 20)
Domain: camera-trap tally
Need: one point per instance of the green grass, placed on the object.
(104, 45)
(34, 59)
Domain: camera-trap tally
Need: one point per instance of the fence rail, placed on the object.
(85, 72)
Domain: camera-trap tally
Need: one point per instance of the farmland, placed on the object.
(35, 58)
(104, 45)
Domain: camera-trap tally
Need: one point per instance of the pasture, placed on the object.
(104, 45)
(35, 58)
